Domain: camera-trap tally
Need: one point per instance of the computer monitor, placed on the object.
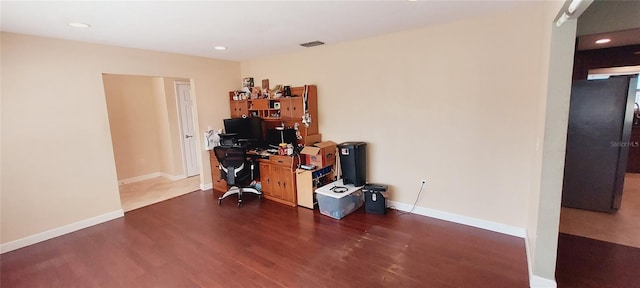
(275, 137)
(247, 129)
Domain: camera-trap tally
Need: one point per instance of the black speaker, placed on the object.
(353, 162)
(375, 200)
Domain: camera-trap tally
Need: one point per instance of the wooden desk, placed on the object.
(218, 183)
(277, 177)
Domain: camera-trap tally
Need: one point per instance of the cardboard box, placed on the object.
(320, 154)
(309, 140)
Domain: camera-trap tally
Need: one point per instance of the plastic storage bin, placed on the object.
(337, 204)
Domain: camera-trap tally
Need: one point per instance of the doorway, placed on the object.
(620, 225)
(147, 138)
(584, 261)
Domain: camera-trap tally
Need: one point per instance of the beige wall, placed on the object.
(455, 104)
(163, 141)
(134, 124)
(57, 158)
(144, 125)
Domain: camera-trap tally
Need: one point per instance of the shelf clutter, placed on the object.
(290, 107)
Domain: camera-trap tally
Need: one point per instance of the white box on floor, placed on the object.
(337, 200)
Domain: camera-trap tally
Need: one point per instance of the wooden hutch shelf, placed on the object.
(278, 173)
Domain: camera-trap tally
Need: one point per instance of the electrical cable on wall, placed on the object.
(416, 202)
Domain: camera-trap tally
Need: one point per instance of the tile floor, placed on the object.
(621, 228)
(143, 193)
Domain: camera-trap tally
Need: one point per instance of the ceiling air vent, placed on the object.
(311, 44)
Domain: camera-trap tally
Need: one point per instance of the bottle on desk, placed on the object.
(282, 149)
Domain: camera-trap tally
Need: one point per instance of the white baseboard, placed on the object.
(205, 187)
(460, 219)
(33, 239)
(173, 177)
(151, 176)
(539, 282)
(140, 178)
(527, 249)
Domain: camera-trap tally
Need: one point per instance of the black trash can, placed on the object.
(353, 160)
(375, 201)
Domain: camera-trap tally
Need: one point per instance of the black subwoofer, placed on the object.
(375, 199)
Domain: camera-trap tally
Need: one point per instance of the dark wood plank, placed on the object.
(587, 263)
(190, 241)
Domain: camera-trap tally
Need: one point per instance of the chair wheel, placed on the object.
(219, 201)
(239, 204)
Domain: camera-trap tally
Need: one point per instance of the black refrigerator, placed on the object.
(598, 137)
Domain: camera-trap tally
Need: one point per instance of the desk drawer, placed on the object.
(281, 160)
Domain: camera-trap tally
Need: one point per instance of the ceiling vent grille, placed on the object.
(311, 44)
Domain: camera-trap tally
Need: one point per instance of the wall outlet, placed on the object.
(423, 181)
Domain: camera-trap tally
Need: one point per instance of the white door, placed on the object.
(185, 105)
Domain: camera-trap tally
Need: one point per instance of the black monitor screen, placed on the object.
(275, 137)
(246, 128)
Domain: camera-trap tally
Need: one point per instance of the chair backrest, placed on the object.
(231, 158)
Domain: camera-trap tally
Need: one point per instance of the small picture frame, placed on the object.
(247, 82)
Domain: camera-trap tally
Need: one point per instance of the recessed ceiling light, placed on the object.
(79, 25)
(220, 48)
(602, 41)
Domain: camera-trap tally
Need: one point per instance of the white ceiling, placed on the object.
(248, 29)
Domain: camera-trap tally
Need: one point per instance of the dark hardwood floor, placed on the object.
(590, 263)
(190, 241)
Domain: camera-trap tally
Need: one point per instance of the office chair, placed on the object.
(236, 169)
